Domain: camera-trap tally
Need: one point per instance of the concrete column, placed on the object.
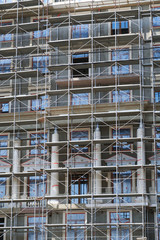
(133, 184)
(7, 187)
(133, 181)
(25, 187)
(153, 180)
(109, 180)
(55, 164)
(97, 162)
(152, 188)
(141, 176)
(16, 168)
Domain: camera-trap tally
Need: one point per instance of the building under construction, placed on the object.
(80, 120)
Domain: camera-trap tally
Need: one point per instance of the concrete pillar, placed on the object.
(133, 181)
(133, 186)
(55, 164)
(153, 199)
(97, 162)
(109, 180)
(7, 187)
(25, 188)
(153, 180)
(16, 168)
(141, 176)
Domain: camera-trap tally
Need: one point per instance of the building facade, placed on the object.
(80, 120)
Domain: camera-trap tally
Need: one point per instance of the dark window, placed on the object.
(78, 186)
(122, 133)
(120, 27)
(75, 232)
(80, 58)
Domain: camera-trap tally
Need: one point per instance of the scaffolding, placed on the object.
(80, 120)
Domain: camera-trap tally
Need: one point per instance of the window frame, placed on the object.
(65, 222)
(32, 90)
(10, 67)
(37, 185)
(156, 46)
(27, 233)
(121, 48)
(154, 136)
(111, 136)
(109, 220)
(158, 180)
(121, 182)
(153, 9)
(157, 219)
(120, 29)
(5, 183)
(156, 26)
(5, 1)
(78, 25)
(32, 33)
(78, 178)
(1, 107)
(81, 146)
(158, 97)
(29, 143)
(6, 93)
(12, 35)
(130, 96)
(71, 99)
(41, 101)
(5, 156)
(37, 68)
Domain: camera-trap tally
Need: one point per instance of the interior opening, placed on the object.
(80, 58)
